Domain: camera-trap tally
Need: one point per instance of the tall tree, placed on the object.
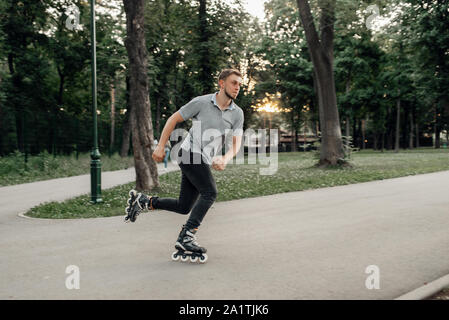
(140, 117)
(205, 68)
(425, 24)
(322, 55)
(21, 22)
(286, 50)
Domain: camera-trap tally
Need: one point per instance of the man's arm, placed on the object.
(236, 144)
(159, 152)
(219, 163)
(170, 125)
(237, 128)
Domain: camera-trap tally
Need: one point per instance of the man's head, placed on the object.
(229, 81)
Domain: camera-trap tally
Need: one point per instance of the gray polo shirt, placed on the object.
(211, 127)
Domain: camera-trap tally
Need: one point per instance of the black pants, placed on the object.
(198, 190)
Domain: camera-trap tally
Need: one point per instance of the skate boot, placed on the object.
(136, 203)
(188, 247)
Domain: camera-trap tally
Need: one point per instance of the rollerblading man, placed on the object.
(215, 118)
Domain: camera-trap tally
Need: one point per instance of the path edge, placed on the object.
(426, 290)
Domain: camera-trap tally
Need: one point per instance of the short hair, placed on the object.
(225, 73)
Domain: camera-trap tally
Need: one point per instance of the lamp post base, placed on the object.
(95, 177)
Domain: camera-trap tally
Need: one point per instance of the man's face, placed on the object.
(231, 85)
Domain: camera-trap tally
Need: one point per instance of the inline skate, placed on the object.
(187, 247)
(136, 203)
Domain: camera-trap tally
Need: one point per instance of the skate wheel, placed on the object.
(175, 256)
(203, 258)
(193, 258)
(184, 258)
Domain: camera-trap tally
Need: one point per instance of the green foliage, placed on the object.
(45, 94)
(288, 68)
(181, 46)
(424, 28)
(45, 76)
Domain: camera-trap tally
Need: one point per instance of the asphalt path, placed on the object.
(327, 243)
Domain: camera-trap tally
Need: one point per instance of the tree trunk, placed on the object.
(295, 138)
(382, 147)
(354, 132)
(140, 116)
(77, 139)
(363, 134)
(111, 146)
(347, 133)
(206, 77)
(410, 140)
(390, 139)
(158, 115)
(417, 134)
(55, 120)
(1, 122)
(437, 137)
(321, 52)
(398, 127)
(16, 81)
(305, 132)
(293, 133)
(445, 105)
(359, 134)
(441, 113)
(437, 129)
(126, 135)
(126, 129)
(348, 127)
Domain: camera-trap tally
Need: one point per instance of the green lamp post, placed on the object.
(95, 163)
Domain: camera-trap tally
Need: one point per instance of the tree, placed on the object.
(20, 22)
(321, 52)
(45, 71)
(285, 49)
(359, 92)
(189, 42)
(140, 117)
(425, 24)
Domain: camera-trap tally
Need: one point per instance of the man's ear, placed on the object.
(221, 83)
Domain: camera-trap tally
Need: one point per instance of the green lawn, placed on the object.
(295, 172)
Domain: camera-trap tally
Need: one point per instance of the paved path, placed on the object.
(20, 198)
(312, 244)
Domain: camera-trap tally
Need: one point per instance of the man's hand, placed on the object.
(158, 154)
(219, 163)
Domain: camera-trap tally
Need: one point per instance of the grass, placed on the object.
(295, 173)
(44, 166)
(441, 295)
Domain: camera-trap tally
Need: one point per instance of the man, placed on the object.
(215, 119)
